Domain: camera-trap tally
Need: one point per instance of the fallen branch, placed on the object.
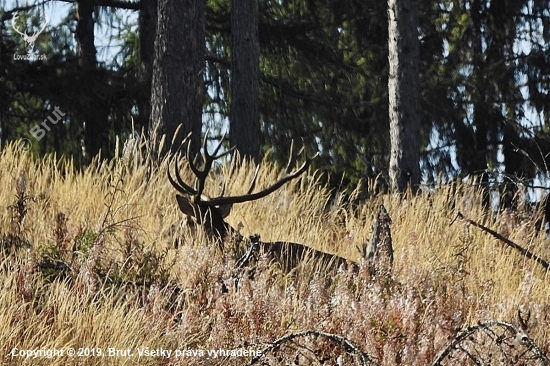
(346, 344)
(526, 253)
(490, 341)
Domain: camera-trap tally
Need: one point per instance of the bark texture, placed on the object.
(94, 111)
(177, 87)
(245, 110)
(403, 88)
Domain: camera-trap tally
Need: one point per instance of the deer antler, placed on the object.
(30, 40)
(208, 160)
(201, 175)
(249, 196)
(24, 34)
(13, 19)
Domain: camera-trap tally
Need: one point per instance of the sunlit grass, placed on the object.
(99, 259)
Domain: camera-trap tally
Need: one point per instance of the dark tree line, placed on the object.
(483, 81)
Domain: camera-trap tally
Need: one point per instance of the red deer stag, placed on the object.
(211, 212)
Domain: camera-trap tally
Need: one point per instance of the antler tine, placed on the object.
(291, 157)
(217, 146)
(228, 151)
(182, 183)
(180, 186)
(253, 184)
(254, 196)
(204, 143)
(192, 165)
(214, 156)
(223, 190)
(200, 175)
(208, 160)
(13, 19)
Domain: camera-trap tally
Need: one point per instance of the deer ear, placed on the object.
(225, 210)
(186, 206)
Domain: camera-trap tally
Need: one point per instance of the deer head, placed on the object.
(211, 212)
(29, 40)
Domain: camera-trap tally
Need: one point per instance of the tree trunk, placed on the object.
(245, 53)
(147, 30)
(479, 156)
(95, 112)
(85, 34)
(403, 92)
(177, 87)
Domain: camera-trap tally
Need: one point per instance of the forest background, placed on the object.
(323, 81)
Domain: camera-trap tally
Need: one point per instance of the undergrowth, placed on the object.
(98, 259)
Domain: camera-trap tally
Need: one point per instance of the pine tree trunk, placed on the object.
(147, 31)
(94, 113)
(245, 111)
(177, 87)
(403, 92)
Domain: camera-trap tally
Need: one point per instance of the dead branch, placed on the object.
(492, 342)
(348, 346)
(526, 253)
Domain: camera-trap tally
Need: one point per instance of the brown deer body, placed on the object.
(210, 213)
(378, 252)
(289, 255)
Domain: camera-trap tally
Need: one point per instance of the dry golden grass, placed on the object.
(89, 261)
